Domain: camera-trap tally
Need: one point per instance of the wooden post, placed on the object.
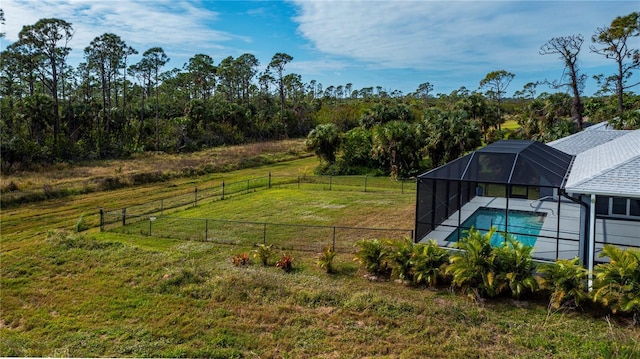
(101, 219)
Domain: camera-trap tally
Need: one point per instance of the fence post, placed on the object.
(206, 229)
(298, 182)
(264, 234)
(402, 183)
(412, 237)
(222, 189)
(195, 203)
(150, 225)
(330, 180)
(162, 206)
(124, 216)
(269, 179)
(101, 219)
(365, 183)
(247, 186)
(333, 243)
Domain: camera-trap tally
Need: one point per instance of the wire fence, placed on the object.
(153, 218)
(282, 236)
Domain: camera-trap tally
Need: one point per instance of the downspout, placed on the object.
(417, 214)
(592, 239)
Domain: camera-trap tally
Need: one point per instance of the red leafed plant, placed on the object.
(241, 260)
(286, 263)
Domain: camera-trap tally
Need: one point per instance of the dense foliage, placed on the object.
(112, 106)
(484, 270)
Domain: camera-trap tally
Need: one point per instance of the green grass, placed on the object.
(289, 218)
(117, 295)
(510, 125)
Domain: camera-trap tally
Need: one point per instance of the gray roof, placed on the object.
(611, 168)
(586, 140)
(602, 126)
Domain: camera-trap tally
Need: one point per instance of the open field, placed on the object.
(117, 295)
(61, 180)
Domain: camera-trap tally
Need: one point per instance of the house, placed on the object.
(566, 198)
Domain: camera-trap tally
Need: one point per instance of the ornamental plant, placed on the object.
(567, 281)
(399, 255)
(325, 261)
(515, 267)
(263, 253)
(475, 267)
(429, 263)
(617, 284)
(285, 263)
(372, 254)
(241, 260)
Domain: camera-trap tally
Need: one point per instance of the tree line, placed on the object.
(112, 107)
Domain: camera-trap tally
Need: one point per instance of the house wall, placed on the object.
(618, 231)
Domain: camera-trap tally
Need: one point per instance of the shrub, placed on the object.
(617, 284)
(515, 267)
(399, 254)
(372, 255)
(474, 267)
(241, 260)
(429, 263)
(566, 279)
(263, 252)
(325, 261)
(285, 263)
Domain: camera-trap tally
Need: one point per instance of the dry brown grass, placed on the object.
(59, 180)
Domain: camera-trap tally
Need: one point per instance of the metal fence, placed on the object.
(281, 236)
(152, 218)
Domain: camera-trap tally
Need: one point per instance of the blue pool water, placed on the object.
(523, 225)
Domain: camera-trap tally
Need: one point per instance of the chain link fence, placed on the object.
(153, 218)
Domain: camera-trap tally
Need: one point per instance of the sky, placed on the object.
(393, 44)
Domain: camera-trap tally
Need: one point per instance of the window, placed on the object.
(634, 207)
(619, 206)
(602, 205)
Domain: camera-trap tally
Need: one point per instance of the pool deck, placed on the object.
(547, 247)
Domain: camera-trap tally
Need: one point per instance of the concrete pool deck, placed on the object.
(547, 247)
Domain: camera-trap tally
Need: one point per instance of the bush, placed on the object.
(492, 270)
(285, 263)
(372, 255)
(566, 279)
(241, 260)
(325, 261)
(263, 253)
(617, 284)
(429, 263)
(400, 254)
(515, 267)
(474, 267)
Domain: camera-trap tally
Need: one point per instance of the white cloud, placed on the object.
(178, 27)
(458, 35)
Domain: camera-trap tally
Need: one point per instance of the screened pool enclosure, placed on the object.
(515, 186)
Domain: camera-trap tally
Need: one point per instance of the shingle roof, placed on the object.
(611, 168)
(586, 140)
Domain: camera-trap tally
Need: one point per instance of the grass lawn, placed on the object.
(126, 295)
(290, 218)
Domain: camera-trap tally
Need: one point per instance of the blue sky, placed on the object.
(393, 44)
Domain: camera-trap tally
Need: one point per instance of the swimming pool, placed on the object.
(523, 225)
